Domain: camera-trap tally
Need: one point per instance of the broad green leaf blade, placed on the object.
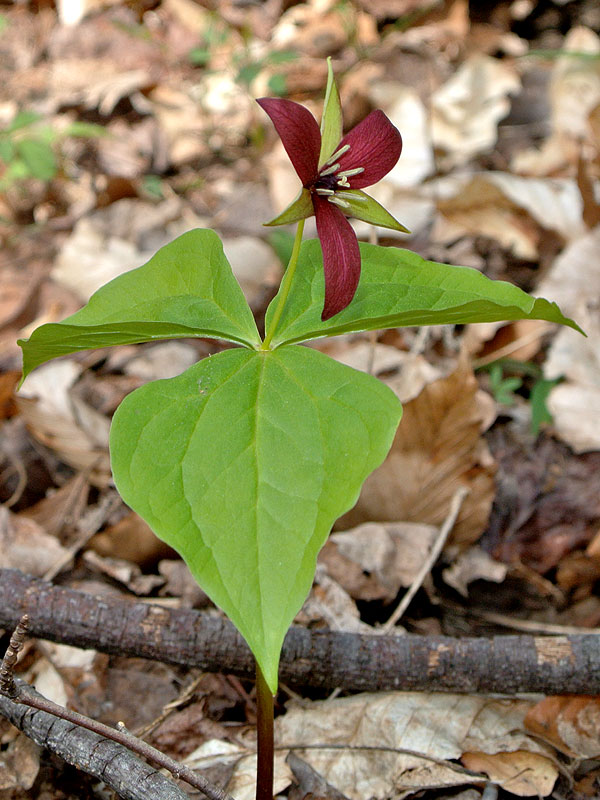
(242, 464)
(398, 288)
(187, 289)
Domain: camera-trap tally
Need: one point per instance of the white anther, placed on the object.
(339, 202)
(337, 154)
(329, 170)
(325, 191)
(348, 173)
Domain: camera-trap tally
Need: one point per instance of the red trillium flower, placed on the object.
(333, 171)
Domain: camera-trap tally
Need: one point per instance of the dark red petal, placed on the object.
(341, 256)
(375, 144)
(299, 132)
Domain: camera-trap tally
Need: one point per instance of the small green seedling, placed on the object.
(244, 462)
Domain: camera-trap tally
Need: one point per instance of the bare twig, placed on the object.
(112, 763)
(23, 694)
(324, 659)
(434, 554)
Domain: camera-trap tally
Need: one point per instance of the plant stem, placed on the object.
(285, 287)
(264, 730)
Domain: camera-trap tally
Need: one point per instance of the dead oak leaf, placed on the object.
(437, 449)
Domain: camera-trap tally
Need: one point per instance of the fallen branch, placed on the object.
(354, 662)
(98, 756)
(112, 763)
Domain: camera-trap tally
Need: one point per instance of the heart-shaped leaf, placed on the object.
(399, 288)
(242, 464)
(187, 289)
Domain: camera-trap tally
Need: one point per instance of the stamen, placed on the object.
(339, 202)
(324, 191)
(348, 173)
(352, 196)
(329, 170)
(337, 154)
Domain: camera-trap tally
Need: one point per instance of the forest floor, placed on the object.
(123, 125)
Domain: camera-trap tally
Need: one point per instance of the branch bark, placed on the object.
(112, 763)
(503, 664)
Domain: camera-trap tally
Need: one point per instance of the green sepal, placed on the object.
(369, 210)
(242, 464)
(332, 126)
(298, 209)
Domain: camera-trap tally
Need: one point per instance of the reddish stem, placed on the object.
(264, 730)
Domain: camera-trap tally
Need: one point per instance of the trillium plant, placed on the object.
(244, 462)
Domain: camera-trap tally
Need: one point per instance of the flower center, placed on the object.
(332, 182)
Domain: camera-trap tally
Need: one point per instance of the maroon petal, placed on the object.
(375, 145)
(299, 132)
(341, 256)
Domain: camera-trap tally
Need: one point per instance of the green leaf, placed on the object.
(398, 288)
(39, 158)
(242, 464)
(187, 289)
(277, 84)
(7, 149)
(24, 119)
(331, 121)
(539, 409)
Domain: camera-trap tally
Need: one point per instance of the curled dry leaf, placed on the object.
(442, 726)
(26, 546)
(521, 773)
(513, 210)
(328, 602)
(375, 560)
(64, 422)
(438, 447)
(574, 93)
(575, 404)
(571, 724)
(473, 565)
(19, 766)
(242, 783)
(466, 110)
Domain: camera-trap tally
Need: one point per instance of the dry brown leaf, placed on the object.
(574, 282)
(438, 447)
(63, 508)
(19, 765)
(131, 539)
(26, 546)
(466, 110)
(521, 773)
(63, 422)
(161, 361)
(373, 561)
(242, 784)
(125, 572)
(571, 724)
(574, 93)
(513, 210)
(439, 725)
(473, 565)
(328, 602)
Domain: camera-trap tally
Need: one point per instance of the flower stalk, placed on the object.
(264, 739)
(285, 287)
